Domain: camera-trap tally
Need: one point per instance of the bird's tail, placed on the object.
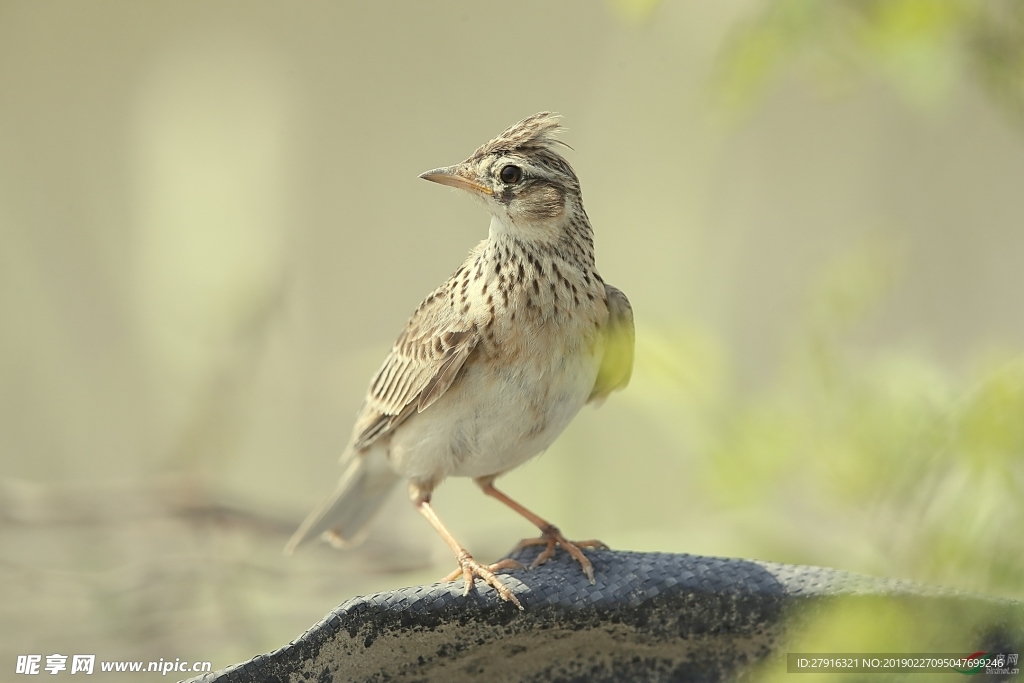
(363, 488)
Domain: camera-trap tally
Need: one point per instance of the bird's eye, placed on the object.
(510, 175)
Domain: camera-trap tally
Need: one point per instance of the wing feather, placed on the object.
(440, 382)
(423, 364)
(617, 362)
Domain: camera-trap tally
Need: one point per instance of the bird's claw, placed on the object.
(469, 569)
(551, 538)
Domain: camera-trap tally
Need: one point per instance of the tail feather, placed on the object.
(363, 488)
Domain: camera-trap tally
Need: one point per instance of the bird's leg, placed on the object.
(550, 535)
(469, 568)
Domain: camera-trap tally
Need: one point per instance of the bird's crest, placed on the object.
(533, 132)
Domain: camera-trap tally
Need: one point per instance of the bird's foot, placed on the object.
(469, 569)
(552, 537)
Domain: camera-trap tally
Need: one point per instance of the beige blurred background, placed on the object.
(211, 230)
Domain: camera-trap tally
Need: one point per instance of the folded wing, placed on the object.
(617, 362)
(423, 364)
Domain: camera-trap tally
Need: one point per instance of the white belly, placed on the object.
(491, 421)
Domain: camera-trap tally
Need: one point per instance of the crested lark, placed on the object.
(495, 362)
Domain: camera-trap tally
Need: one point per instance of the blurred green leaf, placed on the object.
(920, 47)
(758, 49)
(634, 11)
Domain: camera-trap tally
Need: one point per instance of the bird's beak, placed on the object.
(456, 176)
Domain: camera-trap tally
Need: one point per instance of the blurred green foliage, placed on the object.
(922, 47)
(885, 461)
(634, 11)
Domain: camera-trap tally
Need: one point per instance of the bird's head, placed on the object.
(525, 183)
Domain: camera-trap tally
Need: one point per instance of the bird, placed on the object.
(495, 363)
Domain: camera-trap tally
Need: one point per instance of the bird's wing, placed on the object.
(422, 365)
(617, 362)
